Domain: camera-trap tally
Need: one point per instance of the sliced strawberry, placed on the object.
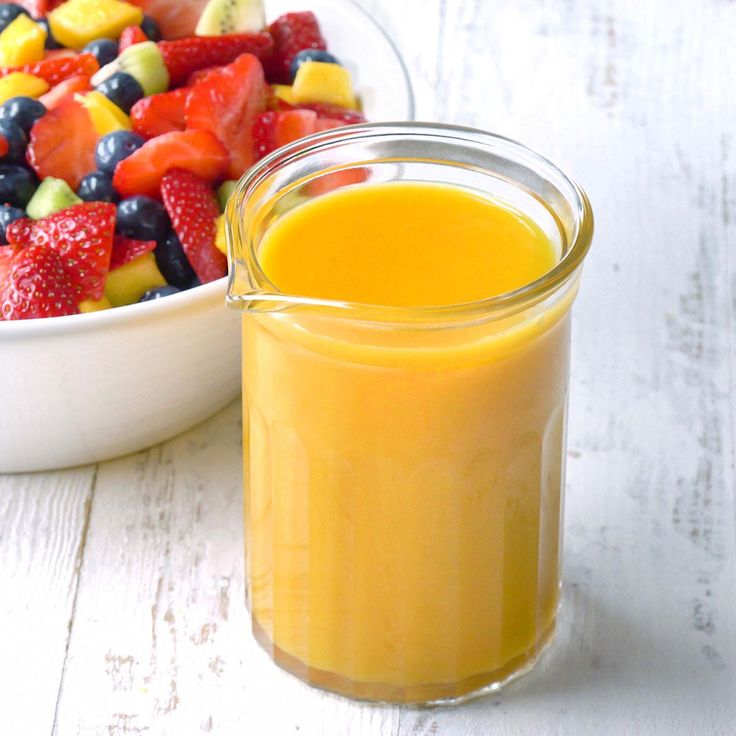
(198, 151)
(36, 285)
(188, 55)
(328, 124)
(193, 210)
(125, 250)
(65, 89)
(58, 69)
(273, 129)
(334, 112)
(39, 8)
(131, 36)
(292, 33)
(160, 113)
(226, 102)
(201, 74)
(62, 143)
(176, 19)
(82, 237)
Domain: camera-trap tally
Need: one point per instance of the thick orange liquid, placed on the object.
(403, 486)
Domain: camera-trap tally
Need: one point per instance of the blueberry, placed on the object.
(17, 185)
(105, 50)
(97, 187)
(311, 55)
(116, 147)
(23, 111)
(142, 218)
(7, 215)
(8, 13)
(158, 292)
(17, 142)
(151, 28)
(122, 89)
(51, 42)
(172, 262)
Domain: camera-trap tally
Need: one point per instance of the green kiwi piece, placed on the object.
(231, 16)
(51, 196)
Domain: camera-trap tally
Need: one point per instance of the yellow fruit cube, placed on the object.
(22, 42)
(319, 81)
(90, 305)
(220, 239)
(20, 84)
(106, 115)
(283, 92)
(127, 284)
(77, 22)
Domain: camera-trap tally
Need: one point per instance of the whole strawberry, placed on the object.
(292, 33)
(193, 210)
(81, 235)
(34, 283)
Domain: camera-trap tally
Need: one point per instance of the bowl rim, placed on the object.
(90, 321)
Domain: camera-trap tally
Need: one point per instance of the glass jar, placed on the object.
(404, 466)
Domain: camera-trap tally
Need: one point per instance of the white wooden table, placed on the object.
(121, 586)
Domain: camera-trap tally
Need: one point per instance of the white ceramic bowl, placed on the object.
(88, 387)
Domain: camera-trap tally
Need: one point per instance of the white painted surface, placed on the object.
(121, 588)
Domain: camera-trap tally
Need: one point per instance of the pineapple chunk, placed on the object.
(127, 284)
(77, 22)
(20, 84)
(283, 92)
(22, 42)
(90, 305)
(106, 115)
(319, 81)
(220, 239)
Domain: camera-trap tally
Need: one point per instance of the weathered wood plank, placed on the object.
(43, 522)
(635, 99)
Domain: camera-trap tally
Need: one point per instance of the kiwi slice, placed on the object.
(224, 191)
(231, 16)
(51, 196)
(144, 62)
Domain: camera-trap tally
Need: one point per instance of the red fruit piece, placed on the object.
(198, 151)
(57, 69)
(131, 36)
(226, 102)
(39, 8)
(3, 145)
(65, 89)
(159, 114)
(188, 55)
(334, 112)
(193, 210)
(62, 143)
(176, 19)
(36, 284)
(292, 33)
(82, 237)
(273, 129)
(125, 250)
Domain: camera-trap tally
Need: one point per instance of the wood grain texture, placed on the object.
(43, 524)
(637, 100)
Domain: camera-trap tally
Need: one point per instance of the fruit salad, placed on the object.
(124, 126)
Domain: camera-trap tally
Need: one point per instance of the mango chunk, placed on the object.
(20, 84)
(77, 22)
(106, 115)
(319, 81)
(127, 284)
(22, 42)
(90, 305)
